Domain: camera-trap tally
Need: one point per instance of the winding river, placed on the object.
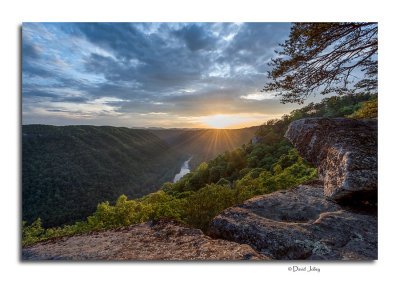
(184, 170)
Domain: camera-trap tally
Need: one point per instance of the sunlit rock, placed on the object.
(345, 151)
(156, 240)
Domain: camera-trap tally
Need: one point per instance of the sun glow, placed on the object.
(221, 121)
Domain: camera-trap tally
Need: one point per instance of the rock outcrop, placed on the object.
(345, 151)
(155, 240)
(299, 223)
(304, 222)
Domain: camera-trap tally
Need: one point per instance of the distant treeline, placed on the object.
(268, 164)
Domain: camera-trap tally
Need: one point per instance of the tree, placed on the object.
(368, 110)
(325, 58)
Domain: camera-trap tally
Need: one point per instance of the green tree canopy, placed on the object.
(325, 57)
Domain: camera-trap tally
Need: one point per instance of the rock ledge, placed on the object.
(345, 151)
(156, 240)
(299, 223)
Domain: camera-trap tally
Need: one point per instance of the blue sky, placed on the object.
(149, 74)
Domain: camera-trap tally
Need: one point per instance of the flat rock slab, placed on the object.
(156, 240)
(299, 223)
(345, 151)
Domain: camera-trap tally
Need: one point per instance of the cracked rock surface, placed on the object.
(156, 240)
(345, 151)
(299, 223)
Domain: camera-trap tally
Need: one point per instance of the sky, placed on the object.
(168, 75)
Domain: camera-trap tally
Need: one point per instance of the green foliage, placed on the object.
(368, 110)
(32, 233)
(202, 206)
(35, 232)
(68, 170)
(224, 182)
(289, 171)
(268, 165)
(153, 206)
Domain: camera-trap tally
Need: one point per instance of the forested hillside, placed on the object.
(205, 144)
(255, 168)
(68, 170)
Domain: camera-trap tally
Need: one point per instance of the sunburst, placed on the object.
(221, 121)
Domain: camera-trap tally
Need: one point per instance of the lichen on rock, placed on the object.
(345, 151)
(325, 230)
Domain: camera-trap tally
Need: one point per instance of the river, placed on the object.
(184, 170)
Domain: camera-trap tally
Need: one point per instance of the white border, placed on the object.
(13, 13)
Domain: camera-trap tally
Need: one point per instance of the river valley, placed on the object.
(184, 170)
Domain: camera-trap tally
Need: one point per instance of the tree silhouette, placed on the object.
(325, 58)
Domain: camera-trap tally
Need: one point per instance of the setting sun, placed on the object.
(221, 121)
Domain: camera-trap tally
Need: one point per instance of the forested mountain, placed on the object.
(255, 168)
(205, 144)
(68, 170)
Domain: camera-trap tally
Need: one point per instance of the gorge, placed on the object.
(303, 222)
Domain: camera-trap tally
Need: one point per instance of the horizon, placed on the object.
(148, 128)
(170, 75)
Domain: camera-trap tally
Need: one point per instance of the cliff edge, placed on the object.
(162, 239)
(345, 151)
(330, 219)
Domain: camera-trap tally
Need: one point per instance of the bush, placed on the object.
(368, 110)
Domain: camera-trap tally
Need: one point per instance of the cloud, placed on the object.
(183, 70)
(259, 96)
(29, 51)
(196, 37)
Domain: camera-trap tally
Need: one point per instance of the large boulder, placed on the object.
(345, 151)
(299, 223)
(156, 240)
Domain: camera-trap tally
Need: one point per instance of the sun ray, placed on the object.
(228, 137)
(212, 144)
